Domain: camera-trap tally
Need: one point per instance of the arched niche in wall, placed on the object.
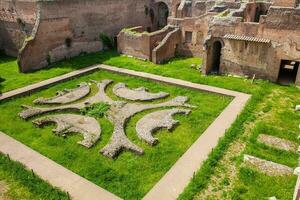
(162, 14)
(213, 55)
(159, 13)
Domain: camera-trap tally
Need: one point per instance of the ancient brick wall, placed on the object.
(284, 3)
(280, 26)
(196, 28)
(246, 58)
(17, 19)
(167, 48)
(79, 22)
(135, 43)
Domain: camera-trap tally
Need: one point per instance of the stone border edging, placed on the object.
(172, 81)
(79, 188)
(46, 83)
(172, 184)
(296, 195)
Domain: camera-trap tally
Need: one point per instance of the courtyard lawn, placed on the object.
(278, 118)
(274, 115)
(268, 99)
(128, 176)
(12, 79)
(180, 67)
(22, 184)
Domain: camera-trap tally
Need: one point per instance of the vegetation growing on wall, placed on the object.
(107, 41)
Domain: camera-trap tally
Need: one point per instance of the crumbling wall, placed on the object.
(139, 44)
(167, 48)
(67, 28)
(197, 28)
(16, 22)
(247, 58)
(281, 26)
(134, 42)
(284, 3)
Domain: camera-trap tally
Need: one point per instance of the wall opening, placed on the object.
(288, 72)
(162, 15)
(254, 11)
(188, 37)
(176, 13)
(216, 56)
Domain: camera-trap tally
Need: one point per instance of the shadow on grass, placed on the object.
(81, 61)
(13, 79)
(4, 58)
(1, 86)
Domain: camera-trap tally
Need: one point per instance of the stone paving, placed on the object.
(79, 188)
(171, 184)
(296, 195)
(268, 167)
(277, 143)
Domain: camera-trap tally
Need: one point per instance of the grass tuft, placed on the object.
(95, 110)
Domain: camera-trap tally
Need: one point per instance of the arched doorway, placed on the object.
(162, 15)
(216, 57)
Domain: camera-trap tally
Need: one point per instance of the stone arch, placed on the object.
(213, 55)
(216, 56)
(163, 13)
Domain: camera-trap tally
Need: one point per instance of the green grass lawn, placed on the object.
(180, 68)
(129, 176)
(23, 184)
(283, 121)
(275, 117)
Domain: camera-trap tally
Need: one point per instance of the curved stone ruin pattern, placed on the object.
(152, 122)
(70, 123)
(137, 94)
(66, 96)
(100, 96)
(119, 113)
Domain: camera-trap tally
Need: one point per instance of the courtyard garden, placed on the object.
(223, 175)
(121, 175)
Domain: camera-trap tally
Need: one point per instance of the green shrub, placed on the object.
(107, 41)
(95, 110)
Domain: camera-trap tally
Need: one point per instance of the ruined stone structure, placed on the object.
(118, 114)
(42, 32)
(256, 39)
(17, 19)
